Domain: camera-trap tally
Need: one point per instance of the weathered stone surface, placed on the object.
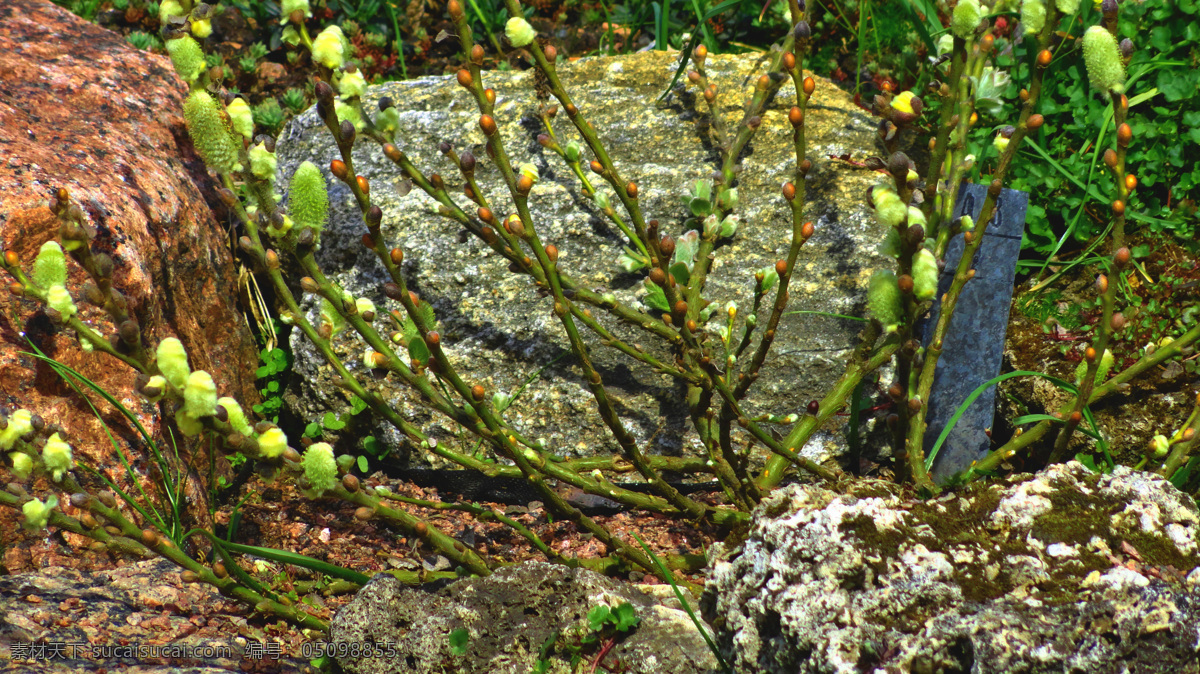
(142, 604)
(1062, 571)
(509, 616)
(81, 109)
(500, 333)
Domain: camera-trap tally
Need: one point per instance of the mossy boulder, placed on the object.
(510, 617)
(1065, 570)
(502, 334)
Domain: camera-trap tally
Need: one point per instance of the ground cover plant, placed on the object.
(718, 367)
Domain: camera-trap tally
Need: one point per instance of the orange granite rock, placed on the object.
(81, 109)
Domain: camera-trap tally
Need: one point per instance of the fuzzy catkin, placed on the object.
(1102, 57)
(210, 132)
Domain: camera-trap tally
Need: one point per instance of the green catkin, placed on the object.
(50, 267)
(883, 299)
(1033, 16)
(200, 395)
(1067, 7)
(308, 203)
(56, 456)
(237, 416)
(211, 133)
(187, 56)
(1102, 57)
(965, 19)
(172, 362)
(320, 468)
(925, 275)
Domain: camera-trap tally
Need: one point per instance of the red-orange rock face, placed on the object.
(80, 109)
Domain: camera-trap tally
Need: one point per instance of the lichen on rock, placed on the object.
(1065, 570)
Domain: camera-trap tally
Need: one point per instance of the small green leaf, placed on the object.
(599, 617)
(655, 298)
(681, 273)
(700, 207)
(362, 463)
(331, 422)
(458, 641)
(417, 350)
(627, 617)
(313, 430)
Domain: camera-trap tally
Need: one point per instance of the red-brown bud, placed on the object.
(1124, 135)
(397, 256)
(789, 191)
(810, 85)
(1034, 122)
(338, 168)
(487, 124)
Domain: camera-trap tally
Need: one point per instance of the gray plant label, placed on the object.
(974, 344)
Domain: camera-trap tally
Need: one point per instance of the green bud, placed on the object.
(200, 395)
(572, 152)
(1160, 445)
(352, 85)
(308, 203)
(288, 6)
(1033, 16)
(262, 162)
(888, 207)
(890, 245)
(241, 117)
(58, 299)
(349, 113)
(19, 424)
(186, 55)
(519, 32)
(272, 443)
(168, 9)
(530, 170)
(1102, 56)
(329, 47)
(37, 514)
(237, 416)
(883, 299)
(210, 134)
(202, 29)
(916, 217)
(320, 468)
(965, 20)
(56, 455)
(172, 362)
(50, 267)
(1067, 7)
(925, 275)
(22, 465)
(188, 425)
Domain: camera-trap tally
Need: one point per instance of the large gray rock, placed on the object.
(509, 616)
(1063, 571)
(501, 333)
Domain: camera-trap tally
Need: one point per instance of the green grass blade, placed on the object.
(687, 607)
(296, 559)
(937, 446)
(826, 313)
